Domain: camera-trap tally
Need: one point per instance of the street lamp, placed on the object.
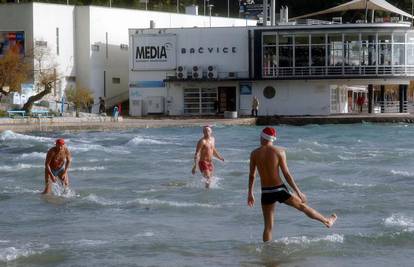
(178, 6)
(210, 7)
(228, 8)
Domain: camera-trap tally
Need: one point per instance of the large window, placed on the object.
(368, 49)
(336, 52)
(285, 50)
(410, 48)
(398, 55)
(318, 50)
(302, 50)
(352, 49)
(200, 100)
(384, 49)
(269, 54)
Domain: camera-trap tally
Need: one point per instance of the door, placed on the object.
(227, 99)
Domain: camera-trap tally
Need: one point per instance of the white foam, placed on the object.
(13, 253)
(303, 240)
(10, 135)
(20, 166)
(397, 220)
(59, 190)
(33, 155)
(146, 234)
(85, 169)
(101, 201)
(18, 189)
(86, 242)
(119, 150)
(402, 173)
(146, 201)
(139, 140)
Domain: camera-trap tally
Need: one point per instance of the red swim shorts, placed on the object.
(205, 166)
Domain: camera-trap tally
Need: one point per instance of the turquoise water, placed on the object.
(134, 202)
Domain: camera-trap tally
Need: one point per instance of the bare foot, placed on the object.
(331, 220)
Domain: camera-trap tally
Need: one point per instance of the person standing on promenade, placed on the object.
(268, 159)
(57, 163)
(101, 105)
(255, 106)
(203, 157)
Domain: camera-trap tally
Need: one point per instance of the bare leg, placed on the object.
(207, 175)
(268, 215)
(48, 184)
(297, 203)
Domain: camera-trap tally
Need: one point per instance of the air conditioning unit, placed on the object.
(211, 72)
(181, 72)
(197, 72)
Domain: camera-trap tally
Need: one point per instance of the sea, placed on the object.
(134, 202)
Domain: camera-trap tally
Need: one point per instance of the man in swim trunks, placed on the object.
(203, 157)
(57, 162)
(268, 159)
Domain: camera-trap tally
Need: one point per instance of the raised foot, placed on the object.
(331, 220)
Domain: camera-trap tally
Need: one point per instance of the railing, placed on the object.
(337, 71)
(391, 106)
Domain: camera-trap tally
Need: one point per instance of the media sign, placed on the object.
(154, 52)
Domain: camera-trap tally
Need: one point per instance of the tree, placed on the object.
(13, 72)
(45, 75)
(80, 97)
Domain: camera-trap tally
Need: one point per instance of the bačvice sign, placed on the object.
(154, 52)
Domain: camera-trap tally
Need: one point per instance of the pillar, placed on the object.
(370, 98)
(403, 96)
(382, 96)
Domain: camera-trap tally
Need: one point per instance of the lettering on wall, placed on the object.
(209, 50)
(154, 52)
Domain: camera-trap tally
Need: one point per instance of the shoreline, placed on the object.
(103, 123)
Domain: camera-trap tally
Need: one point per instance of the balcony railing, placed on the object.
(337, 71)
(391, 106)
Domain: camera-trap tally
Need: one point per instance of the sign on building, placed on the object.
(154, 52)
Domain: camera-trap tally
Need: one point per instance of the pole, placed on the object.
(110, 3)
(366, 11)
(204, 8)
(178, 6)
(228, 8)
(412, 12)
(209, 8)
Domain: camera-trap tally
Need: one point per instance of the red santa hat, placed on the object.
(269, 134)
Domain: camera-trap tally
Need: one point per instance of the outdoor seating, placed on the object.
(16, 113)
(40, 114)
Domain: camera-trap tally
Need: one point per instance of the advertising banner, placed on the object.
(13, 41)
(154, 52)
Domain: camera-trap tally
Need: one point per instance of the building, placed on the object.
(294, 67)
(89, 43)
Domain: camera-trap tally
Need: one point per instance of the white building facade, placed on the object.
(292, 69)
(89, 43)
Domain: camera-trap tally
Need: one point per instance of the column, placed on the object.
(403, 96)
(370, 98)
(382, 98)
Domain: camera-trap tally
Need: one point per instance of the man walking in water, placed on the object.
(57, 162)
(203, 157)
(268, 159)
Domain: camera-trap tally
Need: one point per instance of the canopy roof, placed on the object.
(381, 5)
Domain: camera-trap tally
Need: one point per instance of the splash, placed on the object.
(402, 221)
(13, 253)
(303, 240)
(10, 135)
(146, 201)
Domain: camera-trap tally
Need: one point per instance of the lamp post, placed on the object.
(210, 7)
(228, 8)
(178, 6)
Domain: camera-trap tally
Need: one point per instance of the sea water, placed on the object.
(133, 201)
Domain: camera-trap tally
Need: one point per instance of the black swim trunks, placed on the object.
(275, 193)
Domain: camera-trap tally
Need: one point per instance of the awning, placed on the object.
(380, 5)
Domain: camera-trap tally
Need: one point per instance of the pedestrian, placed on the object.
(101, 105)
(255, 106)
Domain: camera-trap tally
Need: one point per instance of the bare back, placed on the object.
(267, 160)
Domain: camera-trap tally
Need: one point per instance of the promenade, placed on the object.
(100, 123)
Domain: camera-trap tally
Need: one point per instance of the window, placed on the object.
(124, 47)
(269, 57)
(302, 51)
(285, 50)
(398, 56)
(200, 100)
(336, 52)
(116, 80)
(269, 92)
(318, 50)
(41, 43)
(384, 49)
(352, 50)
(368, 50)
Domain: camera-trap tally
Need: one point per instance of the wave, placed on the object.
(19, 189)
(101, 201)
(33, 155)
(146, 201)
(138, 140)
(86, 242)
(10, 135)
(82, 148)
(402, 173)
(13, 253)
(20, 166)
(303, 240)
(85, 169)
(146, 234)
(402, 221)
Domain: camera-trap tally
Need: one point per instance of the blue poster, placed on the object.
(245, 88)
